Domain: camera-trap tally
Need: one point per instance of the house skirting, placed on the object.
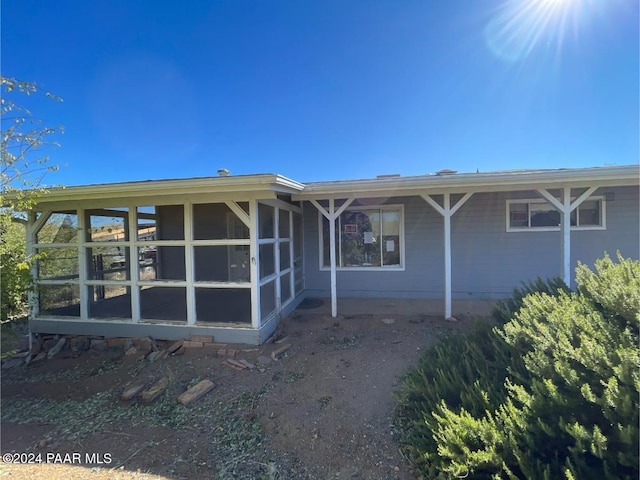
(222, 333)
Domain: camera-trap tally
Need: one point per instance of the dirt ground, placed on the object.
(324, 410)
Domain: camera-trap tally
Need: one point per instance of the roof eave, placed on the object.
(460, 183)
(248, 183)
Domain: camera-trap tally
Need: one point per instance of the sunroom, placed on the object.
(220, 256)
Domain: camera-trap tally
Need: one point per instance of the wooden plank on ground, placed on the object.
(247, 364)
(276, 354)
(233, 364)
(149, 395)
(133, 390)
(196, 392)
(174, 346)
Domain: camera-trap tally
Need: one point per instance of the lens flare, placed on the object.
(520, 26)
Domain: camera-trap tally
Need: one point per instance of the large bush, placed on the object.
(552, 393)
(15, 277)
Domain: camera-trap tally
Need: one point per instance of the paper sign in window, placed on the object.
(368, 237)
(350, 228)
(391, 246)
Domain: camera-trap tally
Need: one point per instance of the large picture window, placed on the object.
(366, 237)
(538, 214)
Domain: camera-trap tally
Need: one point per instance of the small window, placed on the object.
(537, 214)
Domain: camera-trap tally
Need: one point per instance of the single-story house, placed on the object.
(230, 255)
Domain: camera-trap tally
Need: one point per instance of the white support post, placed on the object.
(332, 256)
(276, 256)
(447, 211)
(565, 207)
(189, 264)
(292, 279)
(566, 235)
(34, 304)
(254, 264)
(134, 267)
(332, 215)
(447, 255)
(83, 265)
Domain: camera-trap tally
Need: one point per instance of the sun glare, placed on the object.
(519, 26)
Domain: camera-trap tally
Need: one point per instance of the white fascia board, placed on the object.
(474, 182)
(233, 184)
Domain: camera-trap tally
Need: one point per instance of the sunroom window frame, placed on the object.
(381, 268)
(577, 227)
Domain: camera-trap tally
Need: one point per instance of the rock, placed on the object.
(388, 321)
(23, 357)
(56, 348)
(131, 351)
(452, 319)
(116, 342)
(11, 363)
(153, 356)
(228, 352)
(49, 342)
(21, 354)
(36, 346)
(196, 392)
(264, 360)
(149, 395)
(99, 345)
(144, 344)
(79, 344)
(39, 357)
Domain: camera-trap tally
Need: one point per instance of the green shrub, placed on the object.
(553, 393)
(15, 275)
(462, 371)
(504, 309)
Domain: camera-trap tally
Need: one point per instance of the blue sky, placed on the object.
(318, 90)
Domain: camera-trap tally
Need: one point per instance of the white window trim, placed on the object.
(603, 213)
(400, 268)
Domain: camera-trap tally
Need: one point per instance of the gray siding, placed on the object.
(487, 261)
(423, 274)
(622, 233)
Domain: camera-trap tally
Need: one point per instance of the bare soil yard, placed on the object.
(323, 410)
